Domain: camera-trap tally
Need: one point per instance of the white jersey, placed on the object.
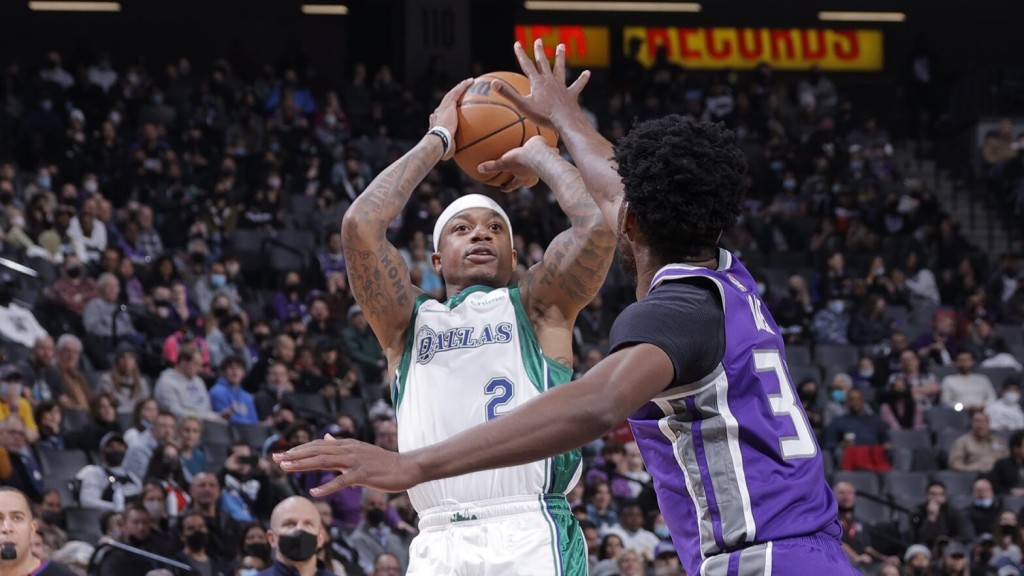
(467, 361)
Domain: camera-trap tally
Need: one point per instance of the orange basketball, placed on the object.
(490, 125)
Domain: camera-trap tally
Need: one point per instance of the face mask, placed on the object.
(983, 502)
(74, 272)
(155, 509)
(1012, 397)
(292, 288)
(836, 306)
(838, 396)
(375, 516)
(221, 313)
(5, 388)
(248, 572)
(115, 533)
(789, 184)
(218, 280)
(330, 120)
(1008, 529)
(171, 465)
(196, 540)
(257, 550)
(866, 373)
(91, 186)
(808, 396)
(298, 546)
(761, 288)
(44, 182)
(115, 457)
(198, 257)
(53, 519)
(918, 571)
(662, 532)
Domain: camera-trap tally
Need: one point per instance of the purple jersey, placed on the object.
(733, 458)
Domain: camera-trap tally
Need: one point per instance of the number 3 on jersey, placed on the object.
(500, 390)
(784, 404)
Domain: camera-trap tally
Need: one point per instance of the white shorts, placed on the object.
(524, 535)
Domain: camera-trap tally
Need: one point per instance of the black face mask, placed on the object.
(257, 550)
(53, 519)
(298, 546)
(196, 540)
(1008, 529)
(74, 272)
(845, 509)
(221, 313)
(170, 466)
(198, 257)
(375, 516)
(115, 457)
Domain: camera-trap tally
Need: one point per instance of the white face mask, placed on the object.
(1012, 397)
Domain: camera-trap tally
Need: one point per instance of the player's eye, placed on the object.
(496, 227)
(461, 228)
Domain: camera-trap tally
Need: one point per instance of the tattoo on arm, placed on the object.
(377, 273)
(577, 260)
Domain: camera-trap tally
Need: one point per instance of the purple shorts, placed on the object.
(803, 556)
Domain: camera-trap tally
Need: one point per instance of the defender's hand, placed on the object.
(549, 97)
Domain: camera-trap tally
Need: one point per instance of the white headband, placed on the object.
(464, 203)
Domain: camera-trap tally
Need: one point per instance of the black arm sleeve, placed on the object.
(683, 318)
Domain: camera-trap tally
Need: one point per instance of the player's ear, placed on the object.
(627, 221)
(435, 259)
(515, 259)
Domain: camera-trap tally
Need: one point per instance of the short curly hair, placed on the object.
(683, 181)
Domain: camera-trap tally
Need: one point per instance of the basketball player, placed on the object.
(697, 364)
(490, 347)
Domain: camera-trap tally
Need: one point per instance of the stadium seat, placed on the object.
(125, 420)
(961, 501)
(941, 372)
(899, 315)
(798, 373)
(944, 441)
(910, 438)
(248, 248)
(906, 484)
(354, 407)
(1015, 503)
(251, 434)
(956, 482)
(836, 356)
(798, 355)
(83, 524)
(941, 418)
(61, 485)
(304, 240)
(216, 433)
(75, 420)
(215, 453)
(1012, 334)
(998, 375)
(301, 204)
(61, 463)
(871, 512)
(310, 407)
(788, 260)
(862, 481)
(902, 459)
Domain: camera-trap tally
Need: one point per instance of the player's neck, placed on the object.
(26, 565)
(647, 266)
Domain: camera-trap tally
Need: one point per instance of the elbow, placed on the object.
(599, 417)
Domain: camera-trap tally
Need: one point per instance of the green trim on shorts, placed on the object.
(567, 544)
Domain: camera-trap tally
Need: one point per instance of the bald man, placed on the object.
(295, 535)
(17, 526)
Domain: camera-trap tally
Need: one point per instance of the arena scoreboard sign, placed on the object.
(585, 46)
(745, 48)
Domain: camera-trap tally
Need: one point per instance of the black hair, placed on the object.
(683, 180)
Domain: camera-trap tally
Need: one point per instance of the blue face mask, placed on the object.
(983, 502)
(662, 532)
(839, 395)
(218, 280)
(248, 572)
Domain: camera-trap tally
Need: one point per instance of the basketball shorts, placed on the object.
(523, 535)
(804, 556)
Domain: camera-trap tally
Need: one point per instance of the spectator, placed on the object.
(125, 381)
(181, 391)
(195, 537)
(87, 233)
(923, 385)
(1008, 542)
(979, 449)
(74, 387)
(983, 513)
(165, 469)
(215, 283)
(103, 421)
(871, 325)
(149, 241)
(12, 401)
(246, 495)
(630, 529)
(137, 533)
(227, 340)
(17, 323)
(599, 506)
(39, 375)
(193, 456)
(296, 533)
(1006, 414)
(104, 320)
(967, 390)
(857, 540)
(290, 299)
(108, 485)
(935, 518)
(143, 417)
(611, 547)
(373, 537)
(954, 561)
(831, 324)
(161, 432)
(362, 346)
(1008, 473)
(917, 559)
(630, 563)
(898, 410)
(228, 398)
(225, 531)
(48, 416)
(25, 474)
(74, 289)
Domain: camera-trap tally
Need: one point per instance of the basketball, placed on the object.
(490, 125)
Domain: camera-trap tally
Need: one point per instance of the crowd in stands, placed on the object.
(174, 307)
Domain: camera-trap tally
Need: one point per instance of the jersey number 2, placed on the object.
(500, 391)
(784, 404)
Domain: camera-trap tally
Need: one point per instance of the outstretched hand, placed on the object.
(358, 463)
(549, 97)
(447, 112)
(523, 163)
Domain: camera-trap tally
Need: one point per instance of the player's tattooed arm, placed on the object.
(577, 260)
(376, 271)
